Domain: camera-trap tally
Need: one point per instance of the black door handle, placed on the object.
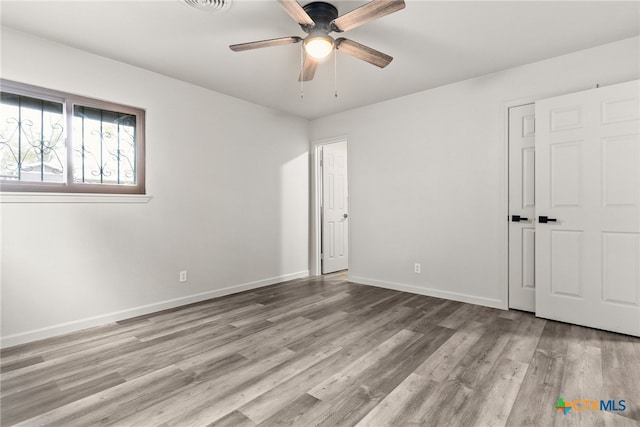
(518, 218)
(544, 219)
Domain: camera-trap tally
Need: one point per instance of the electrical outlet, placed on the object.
(183, 276)
(416, 268)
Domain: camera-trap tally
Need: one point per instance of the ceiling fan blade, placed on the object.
(296, 11)
(363, 52)
(370, 11)
(264, 43)
(308, 69)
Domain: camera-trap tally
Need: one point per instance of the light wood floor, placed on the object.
(322, 351)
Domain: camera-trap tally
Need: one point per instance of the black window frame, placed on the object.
(69, 101)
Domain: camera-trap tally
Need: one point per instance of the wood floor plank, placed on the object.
(339, 381)
(582, 379)
(523, 342)
(288, 312)
(364, 299)
(391, 409)
(438, 312)
(62, 342)
(220, 348)
(442, 362)
(309, 417)
(96, 407)
(543, 380)
(308, 329)
(401, 298)
(216, 367)
(620, 372)
(291, 414)
(268, 404)
(60, 368)
(379, 326)
(386, 375)
(513, 314)
(461, 316)
(612, 419)
(179, 326)
(20, 363)
(321, 351)
(31, 407)
(499, 393)
(435, 403)
(274, 400)
(349, 410)
(239, 396)
(233, 419)
(362, 391)
(196, 396)
(84, 346)
(483, 356)
(421, 301)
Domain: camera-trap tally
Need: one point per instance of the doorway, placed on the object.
(331, 213)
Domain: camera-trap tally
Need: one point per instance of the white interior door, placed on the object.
(335, 218)
(522, 207)
(588, 192)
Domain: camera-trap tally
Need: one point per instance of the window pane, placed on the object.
(31, 139)
(55, 142)
(104, 146)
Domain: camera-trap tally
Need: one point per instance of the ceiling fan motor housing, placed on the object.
(322, 14)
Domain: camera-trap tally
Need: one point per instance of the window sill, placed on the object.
(72, 198)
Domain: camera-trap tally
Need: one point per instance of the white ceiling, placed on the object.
(433, 43)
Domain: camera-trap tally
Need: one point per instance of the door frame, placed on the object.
(315, 238)
(504, 197)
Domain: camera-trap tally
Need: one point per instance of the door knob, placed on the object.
(544, 219)
(518, 218)
(345, 216)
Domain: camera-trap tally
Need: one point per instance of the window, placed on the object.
(57, 142)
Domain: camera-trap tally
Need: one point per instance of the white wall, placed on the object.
(229, 187)
(428, 175)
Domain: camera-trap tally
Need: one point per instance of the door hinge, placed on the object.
(321, 256)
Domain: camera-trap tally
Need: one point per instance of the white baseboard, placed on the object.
(76, 325)
(471, 299)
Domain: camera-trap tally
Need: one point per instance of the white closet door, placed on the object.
(335, 222)
(588, 189)
(522, 207)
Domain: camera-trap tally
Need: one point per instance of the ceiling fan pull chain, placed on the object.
(302, 71)
(335, 72)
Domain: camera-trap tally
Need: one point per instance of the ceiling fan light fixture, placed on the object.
(318, 47)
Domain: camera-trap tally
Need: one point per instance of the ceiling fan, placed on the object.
(318, 19)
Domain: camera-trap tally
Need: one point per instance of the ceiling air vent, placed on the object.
(210, 5)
